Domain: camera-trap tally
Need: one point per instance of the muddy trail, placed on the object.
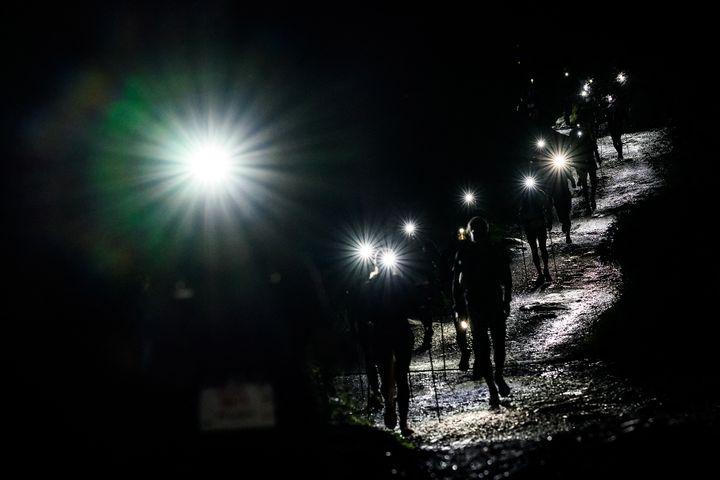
(571, 412)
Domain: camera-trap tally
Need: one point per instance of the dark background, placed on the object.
(387, 116)
(394, 112)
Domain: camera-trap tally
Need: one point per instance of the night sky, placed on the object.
(385, 113)
(360, 119)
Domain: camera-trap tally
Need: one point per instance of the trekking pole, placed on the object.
(432, 374)
(602, 174)
(522, 250)
(442, 347)
(412, 397)
(552, 249)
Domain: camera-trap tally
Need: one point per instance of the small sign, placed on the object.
(236, 407)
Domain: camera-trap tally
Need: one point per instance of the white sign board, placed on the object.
(237, 406)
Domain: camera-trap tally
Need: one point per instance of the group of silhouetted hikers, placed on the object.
(481, 284)
(381, 305)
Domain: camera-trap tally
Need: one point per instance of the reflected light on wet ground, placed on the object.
(554, 389)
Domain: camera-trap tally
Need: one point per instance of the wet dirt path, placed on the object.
(555, 389)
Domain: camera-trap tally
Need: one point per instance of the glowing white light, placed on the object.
(532, 80)
(567, 74)
(463, 324)
(389, 259)
(461, 230)
(621, 77)
(609, 98)
(409, 227)
(590, 81)
(579, 133)
(584, 93)
(365, 251)
(209, 164)
(540, 143)
(529, 182)
(469, 198)
(559, 160)
(586, 87)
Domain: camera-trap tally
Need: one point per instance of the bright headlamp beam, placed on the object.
(469, 198)
(559, 161)
(621, 78)
(529, 182)
(540, 143)
(388, 259)
(409, 228)
(365, 251)
(209, 164)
